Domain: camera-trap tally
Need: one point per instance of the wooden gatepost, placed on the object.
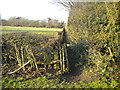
(55, 51)
(63, 57)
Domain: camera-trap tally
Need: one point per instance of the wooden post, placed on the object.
(67, 62)
(61, 63)
(22, 56)
(28, 55)
(33, 58)
(17, 55)
(63, 58)
(45, 59)
(58, 52)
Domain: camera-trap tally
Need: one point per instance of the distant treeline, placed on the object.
(23, 22)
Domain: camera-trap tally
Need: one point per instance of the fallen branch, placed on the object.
(20, 67)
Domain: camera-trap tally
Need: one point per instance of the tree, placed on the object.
(49, 23)
(5, 22)
(20, 21)
(34, 23)
(65, 3)
(12, 21)
(43, 23)
(53, 23)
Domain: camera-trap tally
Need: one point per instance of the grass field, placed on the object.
(44, 31)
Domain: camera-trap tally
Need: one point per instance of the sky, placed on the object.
(32, 9)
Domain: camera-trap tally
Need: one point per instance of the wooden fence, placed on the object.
(54, 52)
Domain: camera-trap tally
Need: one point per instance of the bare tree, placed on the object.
(65, 3)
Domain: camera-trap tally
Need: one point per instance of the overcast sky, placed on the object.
(32, 9)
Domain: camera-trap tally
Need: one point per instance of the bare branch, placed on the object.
(66, 3)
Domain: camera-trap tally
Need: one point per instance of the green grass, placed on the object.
(44, 31)
(44, 82)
